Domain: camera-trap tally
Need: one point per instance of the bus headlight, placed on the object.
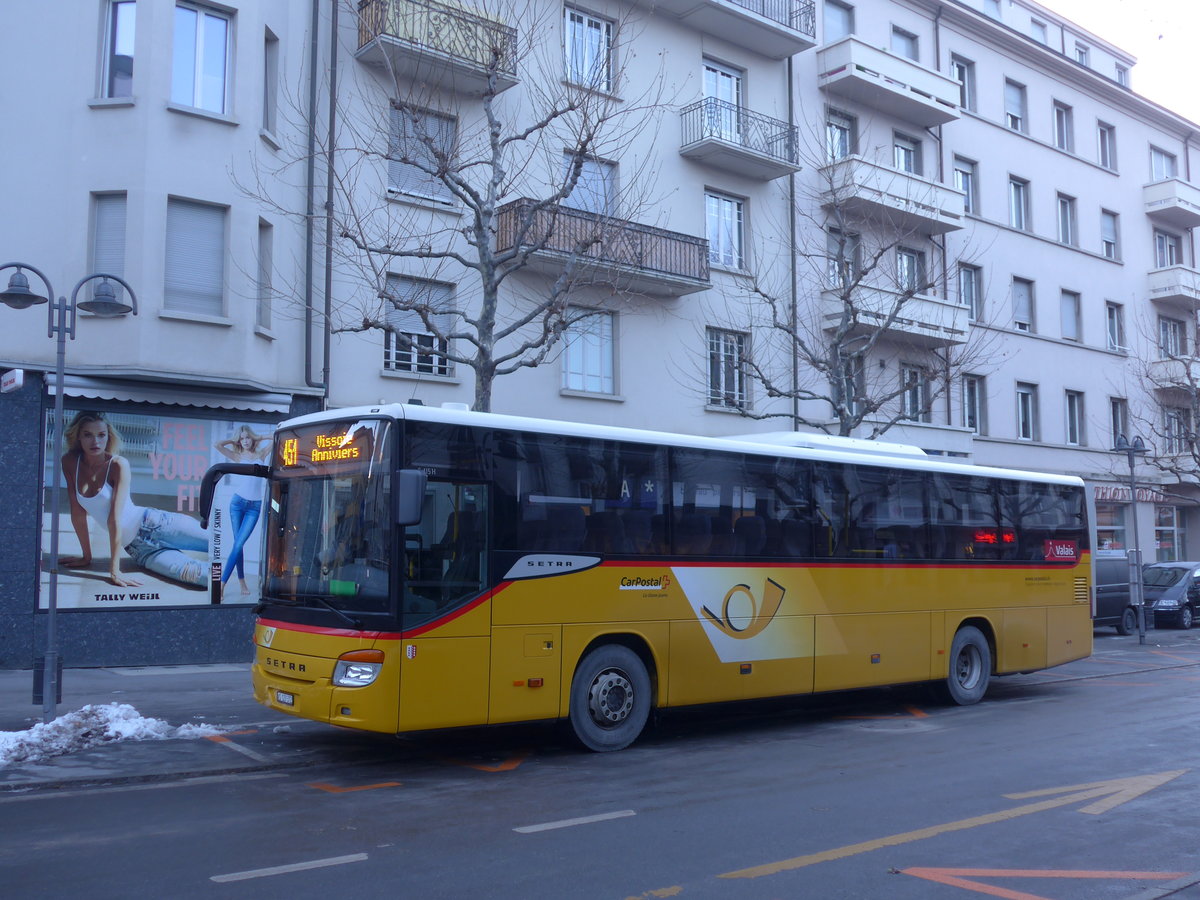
(358, 668)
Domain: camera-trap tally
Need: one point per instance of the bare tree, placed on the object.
(467, 153)
(870, 329)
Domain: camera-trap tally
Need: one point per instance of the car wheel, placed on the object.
(970, 666)
(1128, 623)
(610, 698)
(1185, 617)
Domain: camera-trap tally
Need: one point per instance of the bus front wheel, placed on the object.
(970, 666)
(610, 698)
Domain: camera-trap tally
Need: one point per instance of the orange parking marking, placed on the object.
(507, 766)
(954, 878)
(334, 789)
(1190, 659)
(223, 739)
(912, 712)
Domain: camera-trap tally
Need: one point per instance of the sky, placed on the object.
(1160, 33)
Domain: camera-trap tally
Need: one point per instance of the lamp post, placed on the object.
(61, 320)
(1132, 449)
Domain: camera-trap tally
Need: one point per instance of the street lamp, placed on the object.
(61, 317)
(1133, 449)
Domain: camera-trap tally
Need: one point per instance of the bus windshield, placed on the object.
(331, 536)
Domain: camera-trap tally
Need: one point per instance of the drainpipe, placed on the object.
(309, 189)
(795, 311)
(941, 156)
(325, 329)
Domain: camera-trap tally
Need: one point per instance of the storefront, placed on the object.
(1162, 522)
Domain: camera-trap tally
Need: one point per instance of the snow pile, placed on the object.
(89, 727)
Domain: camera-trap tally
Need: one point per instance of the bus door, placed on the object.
(444, 643)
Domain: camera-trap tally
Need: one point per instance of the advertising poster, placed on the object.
(129, 513)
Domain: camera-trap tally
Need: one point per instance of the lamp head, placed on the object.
(18, 295)
(104, 302)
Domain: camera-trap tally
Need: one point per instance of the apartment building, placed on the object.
(695, 184)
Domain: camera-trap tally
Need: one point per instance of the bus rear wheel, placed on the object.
(970, 666)
(610, 698)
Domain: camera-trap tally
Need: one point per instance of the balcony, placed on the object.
(723, 135)
(888, 83)
(1177, 286)
(888, 197)
(776, 29)
(437, 44)
(1173, 202)
(1174, 374)
(922, 321)
(614, 252)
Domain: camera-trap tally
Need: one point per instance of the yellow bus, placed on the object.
(431, 568)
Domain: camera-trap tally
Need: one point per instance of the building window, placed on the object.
(1106, 145)
(727, 368)
(1082, 54)
(1114, 314)
(725, 220)
(1177, 422)
(587, 359)
(904, 43)
(1037, 30)
(1018, 203)
(1109, 233)
(970, 293)
(270, 100)
(1067, 227)
(725, 84)
(266, 252)
(839, 21)
(963, 71)
(595, 189)
(1118, 418)
(1022, 294)
(588, 45)
(1162, 164)
(915, 396)
(906, 153)
(1027, 412)
(1075, 419)
(1064, 127)
(108, 238)
(195, 258)
(965, 180)
(410, 345)
(974, 403)
(1169, 534)
(1122, 75)
(843, 251)
(1168, 249)
(910, 270)
(1172, 338)
(422, 145)
(200, 65)
(1015, 106)
(1069, 308)
(118, 49)
(839, 135)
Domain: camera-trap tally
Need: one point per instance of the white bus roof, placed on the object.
(739, 444)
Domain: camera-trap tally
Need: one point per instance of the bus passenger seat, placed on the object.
(751, 533)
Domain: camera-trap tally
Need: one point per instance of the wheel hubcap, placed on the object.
(611, 697)
(967, 667)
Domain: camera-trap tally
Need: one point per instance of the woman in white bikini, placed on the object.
(98, 481)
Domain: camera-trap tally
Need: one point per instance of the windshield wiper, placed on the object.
(346, 617)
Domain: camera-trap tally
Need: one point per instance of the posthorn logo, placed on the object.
(742, 616)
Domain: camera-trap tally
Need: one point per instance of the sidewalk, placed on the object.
(216, 695)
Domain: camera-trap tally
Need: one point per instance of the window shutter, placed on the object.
(413, 139)
(195, 261)
(108, 238)
(413, 291)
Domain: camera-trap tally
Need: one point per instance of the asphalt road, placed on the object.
(1080, 782)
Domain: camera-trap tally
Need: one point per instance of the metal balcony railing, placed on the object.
(605, 241)
(448, 30)
(800, 15)
(713, 119)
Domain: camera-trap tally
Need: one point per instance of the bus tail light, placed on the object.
(358, 668)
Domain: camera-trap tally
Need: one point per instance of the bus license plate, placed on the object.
(283, 698)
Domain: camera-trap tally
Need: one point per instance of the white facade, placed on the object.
(1045, 171)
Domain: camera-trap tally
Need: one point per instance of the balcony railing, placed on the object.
(605, 249)
(723, 134)
(430, 41)
(887, 82)
(922, 320)
(1174, 202)
(888, 197)
(1176, 286)
(774, 28)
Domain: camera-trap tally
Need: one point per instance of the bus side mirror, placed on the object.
(410, 495)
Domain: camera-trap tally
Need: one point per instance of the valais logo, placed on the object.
(1061, 551)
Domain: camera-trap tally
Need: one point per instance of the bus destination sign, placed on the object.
(329, 449)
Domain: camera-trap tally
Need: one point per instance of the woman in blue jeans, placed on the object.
(98, 479)
(244, 447)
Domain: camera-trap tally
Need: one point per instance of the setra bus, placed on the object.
(430, 568)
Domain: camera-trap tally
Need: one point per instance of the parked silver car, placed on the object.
(1172, 592)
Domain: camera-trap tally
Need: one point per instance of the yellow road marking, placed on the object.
(1118, 790)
